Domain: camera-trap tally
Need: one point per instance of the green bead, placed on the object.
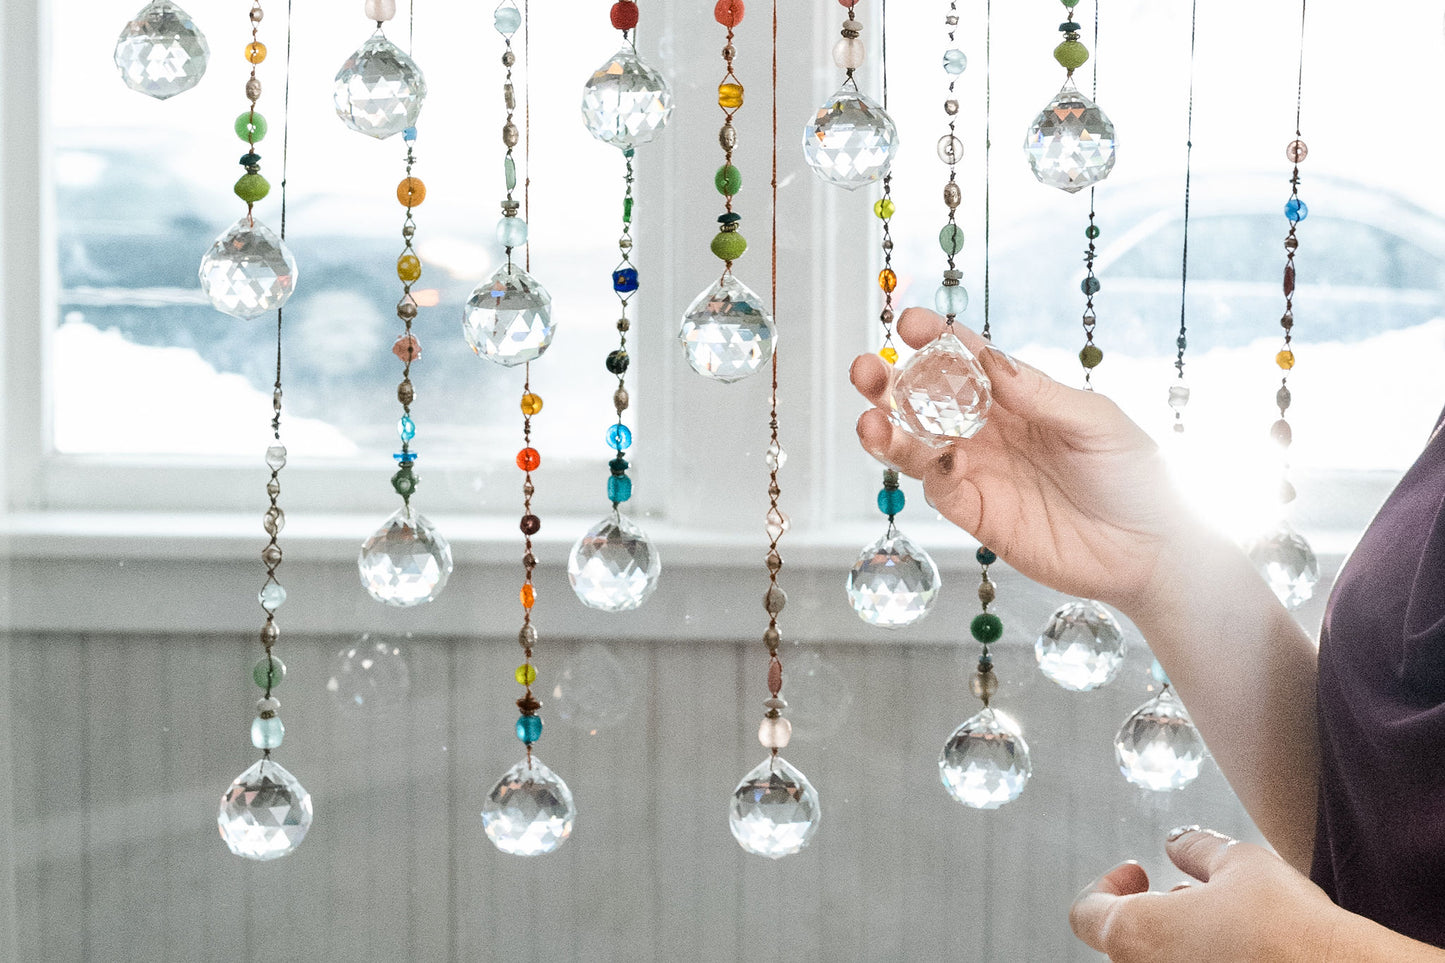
(729, 245)
(1092, 231)
(1071, 4)
(951, 239)
(1071, 55)
(509, 171)
(252, 187)
(729, 180)
(987, 628)
(627, 210)
(883, 208)
(404, 482)
(1091, 356)
(269, 672)
(251, 127)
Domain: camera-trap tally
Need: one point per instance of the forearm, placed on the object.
(1354, 939)
(1247, 672)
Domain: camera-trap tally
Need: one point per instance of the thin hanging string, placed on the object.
(987, 155)
(1188, 173)
(883, 15)
(527, 127)
(411, 29)
(285, 152)
(1300, 81)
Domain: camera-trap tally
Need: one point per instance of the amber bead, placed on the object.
(528, 459)
(411, 192)
(730, 96)
(531, 404)
(408, 267)
(1285, 359)
(529, 595)
(889, 354)
(887, 280)
(255, 52)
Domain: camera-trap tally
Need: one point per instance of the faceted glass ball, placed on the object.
(985, 763)
(1158, 747)
(248, 271)
(529, 812)
(727, 332)
(625, 102)
(1287, 563)
(508, 319)
(1081, 647)
(774, 810)
(894, 582)
(942, 392)
(1071, 143)
(851, 142)
(407, 562)
(266, 812)
(379, 89)
(161, 52)
(614, 567)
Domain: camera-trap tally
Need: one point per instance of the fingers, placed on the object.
(893, 446)
(1199, 852)
(1096, 909)
(870, 374)
(918, 326)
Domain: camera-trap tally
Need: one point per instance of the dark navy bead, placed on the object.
(624, 280)
(617, 362)
(985, 557)
(618, 466)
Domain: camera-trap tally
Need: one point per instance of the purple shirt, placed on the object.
(1380, 842)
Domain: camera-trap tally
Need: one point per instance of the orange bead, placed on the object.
(1285, 359)
(531, 404)
(411, 192)
(887, 280)
(730, 96)
(729, 13)
(889, 354)
(408, 267)
(255, 52)
(529, 596)
(528, 459)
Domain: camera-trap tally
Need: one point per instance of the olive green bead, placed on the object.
(252, 187)
(951, 239)
(251, 127)
(1071, 54)
(1091, 356)
(987, 628)
(269, 672)
(729, 180)
(729, 245)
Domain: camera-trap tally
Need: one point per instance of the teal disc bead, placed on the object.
(728, 179)
(890, 501)
(251, 127)
(529, 728)
(986, 627)
(951, 239)
(269, 672)
(267, 733)
(252, 187)
(950, 300)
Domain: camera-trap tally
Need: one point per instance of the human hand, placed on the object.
(1059, 482)
(1250, 905)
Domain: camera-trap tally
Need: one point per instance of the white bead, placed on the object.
(269, 704)
(848, 53)
(380, 9)
(775, 733)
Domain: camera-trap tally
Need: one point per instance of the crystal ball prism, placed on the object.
(265, 813)
(1081, 647)
(894, 582)
(625, 102)
(406, 562)
(942, 392)
(985, 762)
(774, 810)
(1287, 563)
(727, 332)
(614, 567)
(529, 812)
(248, 271)
(161, 52)
(851, 141)
(1071, 143)
(1158, 747)
(379, 89)
(508, 319)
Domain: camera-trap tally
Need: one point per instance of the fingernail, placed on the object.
(945, 462)
(1004, 357)
(1178, 831)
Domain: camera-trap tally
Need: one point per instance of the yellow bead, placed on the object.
(1285, 359)
(408, 267)
(255, 52)
(525, 675)
(889, 354)
(531, 404)
(730, 96)
(411, 192)
(887, 280)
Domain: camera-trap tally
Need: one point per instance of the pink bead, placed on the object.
(775, 677)
(775, 733)
(847, 3)
(380, 9)
(407, 348)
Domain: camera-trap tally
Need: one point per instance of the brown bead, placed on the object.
(774, 600)
(952, 195)
(624, 325)
(985, 592)
(775, 677)
(529, 704)
(531, 525)
(775, 562)
(405, 393)
(1296, 151)
(1288, 279)
(1286, 320)
(529, 560)
(621, 399)
(772, 638)
(1291, 244)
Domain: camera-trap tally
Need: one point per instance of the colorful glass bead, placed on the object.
(624, 280)
(529, 728)
(526, 674)
(890, 501)
(950, 300)
(528, 459)
(1296, 210)
(512, 232)
(1285, 359)
(617, 362)
(950, 238)
(729, 13)
(408, 267)
(954, 61)
(729, 96)
(528, 596)
(269, 672)
(887, 280)
(507, 19)
(1071, 55)
(984, 557)
(986, 627)
(728, 179)
(407, 348)
(1296, 151)
(1089, 285)
(411, 192)
(531, 404)
(883, 208)
(889, 354)
(255, 52)
(623, 15)
(251, 127)
(267, 733)
(530, 525)
(1091, 355)
(406, 428)
(619, 488)
(619, 437)
(729, 245)
(252, 188)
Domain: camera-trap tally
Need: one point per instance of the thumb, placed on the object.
(1199, 852)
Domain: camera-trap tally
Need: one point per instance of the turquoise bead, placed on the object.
(950, 300)
(619, 437)
(890, 501)
(269, 672)
(406, 428)
(1157, 671)
(512, 232)
(951, 239)
(619, 488)
(1296, 210)
(267, 733)
(1090, 285)
(529, 728)
(508, 20)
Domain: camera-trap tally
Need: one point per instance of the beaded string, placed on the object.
(951, 297)
(410, 193)
(251, 126)
(890, 497)
(1295, 210)
(624, 17)
(1179, 392)
(1090, 355)
(728, 245)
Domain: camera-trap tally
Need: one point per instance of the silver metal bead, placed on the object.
(952, 195)
(510, 96)
(508, 59)
(728, 137)
(527, 637)
(775, 600)
(950, 107)
(269, 634)
(269, 704)
(510, 135)
(253, 90)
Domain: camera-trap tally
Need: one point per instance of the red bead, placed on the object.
(528, 459)
(531, 525)
(407, 348)
(729, 13)
(624, 15)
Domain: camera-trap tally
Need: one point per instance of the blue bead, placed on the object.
(1157, 671)
(512, 231)
(950, 299)
(624, 280)
(529, 728)
(405, 457)
(890, 501)
(507, 20)
(619, 488)
(406, 428)
(954, 62)
(1296, 210)
(984, 556)
(267, 733)
(1090, 285)
(619, 437)
(409, 135)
